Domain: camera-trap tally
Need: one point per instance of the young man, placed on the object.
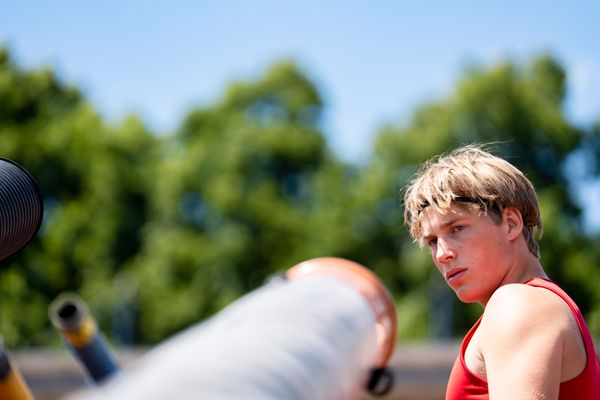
(477, 214)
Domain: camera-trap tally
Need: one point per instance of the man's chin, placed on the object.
(465, 296)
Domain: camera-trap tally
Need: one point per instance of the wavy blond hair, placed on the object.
(472, 176)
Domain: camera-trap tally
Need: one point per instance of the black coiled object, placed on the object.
(21, 208)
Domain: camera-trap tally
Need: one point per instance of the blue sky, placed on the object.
(374, 62)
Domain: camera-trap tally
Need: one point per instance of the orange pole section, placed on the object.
(368, 285)
(12, 384)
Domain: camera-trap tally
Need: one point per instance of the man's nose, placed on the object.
(444, 252)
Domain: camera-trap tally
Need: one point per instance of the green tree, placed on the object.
(92, 179)
(159, 232)
(229, 199)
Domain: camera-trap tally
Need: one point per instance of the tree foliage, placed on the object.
(158, 232)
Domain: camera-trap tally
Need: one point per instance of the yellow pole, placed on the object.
(13, 387)
(12, 384)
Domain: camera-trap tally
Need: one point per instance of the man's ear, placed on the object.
(514, 222)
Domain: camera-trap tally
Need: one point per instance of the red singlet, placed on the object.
(465, 385)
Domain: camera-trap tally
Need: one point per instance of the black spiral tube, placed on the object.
(21, 207)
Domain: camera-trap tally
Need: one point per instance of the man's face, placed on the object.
(469, 249)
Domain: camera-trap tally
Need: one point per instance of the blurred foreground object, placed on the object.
(70, 316)
(21, 214)
(21, 208)
(12, 385)
(317, 333)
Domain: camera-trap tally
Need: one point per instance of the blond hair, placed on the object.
(472, 175)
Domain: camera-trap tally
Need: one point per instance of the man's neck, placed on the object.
(528, 268)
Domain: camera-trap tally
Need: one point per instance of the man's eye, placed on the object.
(432, 242)
(458, 228)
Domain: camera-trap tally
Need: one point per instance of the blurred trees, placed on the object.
(159, 232)
(229, 199)
(94, 182)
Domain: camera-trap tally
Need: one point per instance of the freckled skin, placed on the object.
(464, 239)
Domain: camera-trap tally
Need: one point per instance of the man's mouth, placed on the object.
(454, 273)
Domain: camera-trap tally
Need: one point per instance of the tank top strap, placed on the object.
(553, 287)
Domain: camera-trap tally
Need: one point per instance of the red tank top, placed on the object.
(465, 385)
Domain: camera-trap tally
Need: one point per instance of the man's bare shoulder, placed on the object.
(521, 307)
(530, 331)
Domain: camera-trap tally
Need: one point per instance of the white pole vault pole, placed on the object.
(319, 333)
